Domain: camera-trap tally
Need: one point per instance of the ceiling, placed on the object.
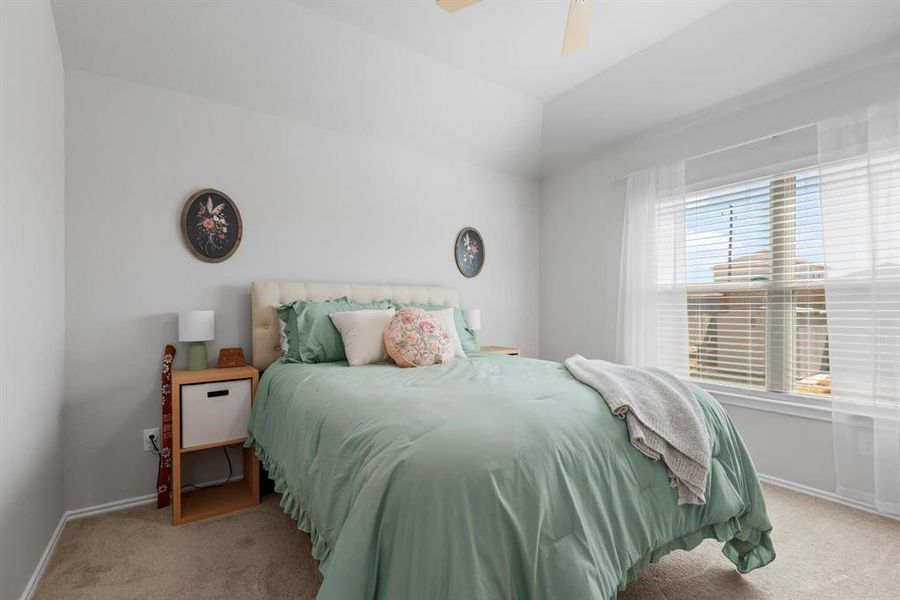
(518, 43)
(277, 58)
(737, 50)
(487, 85)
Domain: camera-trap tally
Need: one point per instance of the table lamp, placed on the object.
(196, 327)
(473, 316)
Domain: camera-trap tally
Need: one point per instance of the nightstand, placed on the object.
(501, 350)
(211, 409)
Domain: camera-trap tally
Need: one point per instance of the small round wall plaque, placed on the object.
(469, 251)
(211, 225)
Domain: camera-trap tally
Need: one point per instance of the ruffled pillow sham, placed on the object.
(311, 336)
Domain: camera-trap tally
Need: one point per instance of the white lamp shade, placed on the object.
(473, 316)
(196, 325)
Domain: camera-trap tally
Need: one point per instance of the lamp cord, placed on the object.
(156, 450)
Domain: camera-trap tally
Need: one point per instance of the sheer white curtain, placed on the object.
(859, 162)
(653, 274)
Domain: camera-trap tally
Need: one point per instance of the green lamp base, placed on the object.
(197, 356)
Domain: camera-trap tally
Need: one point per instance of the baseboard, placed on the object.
(45, 559)
(89, 511)
(824, 495)
(72, 515)
(99, 509)
(115, 505)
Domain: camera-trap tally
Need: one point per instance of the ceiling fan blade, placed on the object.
(455, 5)
(577, 26)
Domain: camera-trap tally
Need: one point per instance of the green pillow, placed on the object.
(289, 319)
(465, 333)
(286, 316)
(312, 337)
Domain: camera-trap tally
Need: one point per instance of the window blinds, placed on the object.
(754, 271)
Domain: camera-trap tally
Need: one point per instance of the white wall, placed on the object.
(581, 235)
(280, 58)
(32, 303)
(317, 206)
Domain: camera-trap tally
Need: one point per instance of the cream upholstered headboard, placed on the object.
(266, 295)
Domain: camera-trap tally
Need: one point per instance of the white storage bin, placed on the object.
(212, 413)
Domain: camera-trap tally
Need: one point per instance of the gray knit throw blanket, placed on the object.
(664, 418)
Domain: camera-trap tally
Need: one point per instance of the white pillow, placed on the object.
(445, 316)
(283, 336)
(363, 334)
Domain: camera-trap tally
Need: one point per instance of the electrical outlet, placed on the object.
(866, 443)
(148, 447)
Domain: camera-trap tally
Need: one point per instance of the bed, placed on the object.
(490, 477)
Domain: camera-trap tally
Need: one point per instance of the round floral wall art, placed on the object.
(211, 225)
(469, 251)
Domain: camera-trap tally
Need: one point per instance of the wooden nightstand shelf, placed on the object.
(501, 350)
(210, 410)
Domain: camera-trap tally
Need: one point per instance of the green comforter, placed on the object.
(490, 477)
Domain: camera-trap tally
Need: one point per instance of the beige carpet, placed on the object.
(824, 551)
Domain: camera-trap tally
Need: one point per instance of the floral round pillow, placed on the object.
(415, 338)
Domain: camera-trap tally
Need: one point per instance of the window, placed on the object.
(754, 272)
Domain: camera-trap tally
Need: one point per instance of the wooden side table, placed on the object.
(210, 409)
(501, 350)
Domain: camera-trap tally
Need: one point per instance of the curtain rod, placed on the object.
(763, 138)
